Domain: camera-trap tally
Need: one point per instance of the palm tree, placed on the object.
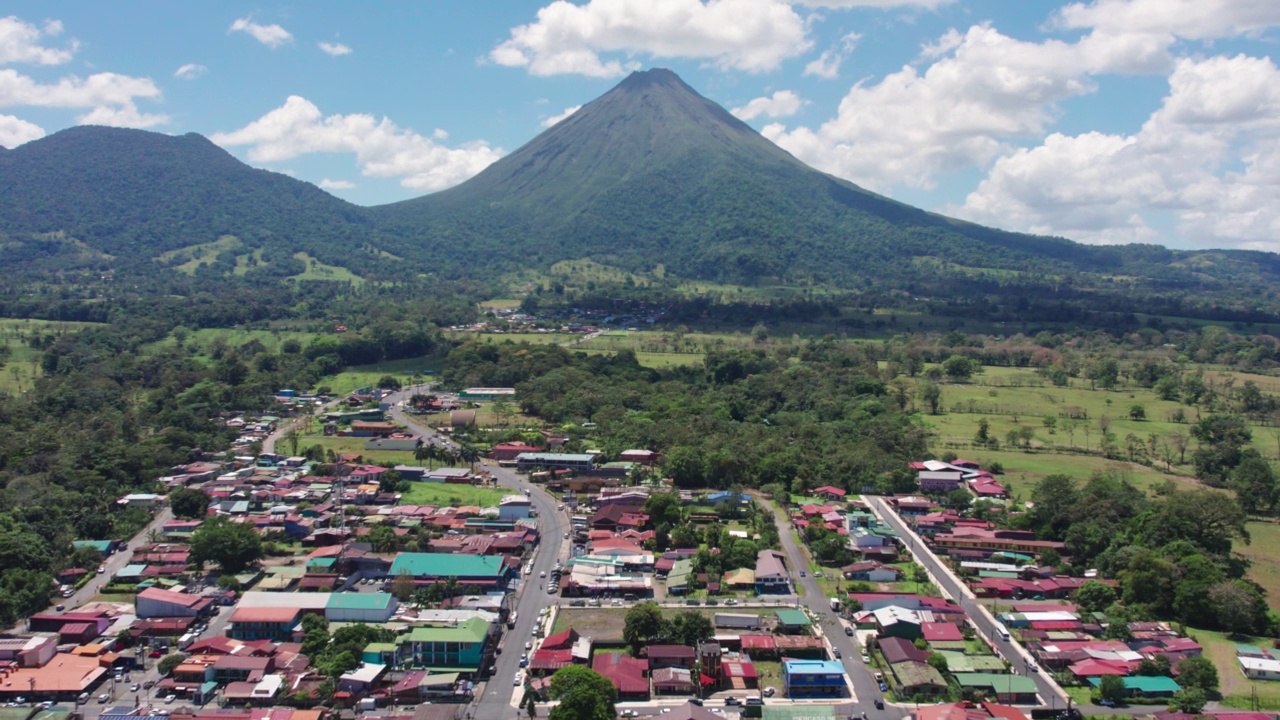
(469, 454)
(427, 452)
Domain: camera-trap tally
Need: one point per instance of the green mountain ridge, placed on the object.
(651, 173)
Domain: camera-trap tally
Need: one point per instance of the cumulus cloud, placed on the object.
(1191, 19)
(190, 71)
(928, 4)
(827, 65)
(746, 35)
(99, 89)
(126, 116)
(16, 131)
(783, 103)
(20, 42)
(272, 36)
(1209, 157)
(957, 113)
(328, 184)
(381, 148)
(335, 49)
(555, 119)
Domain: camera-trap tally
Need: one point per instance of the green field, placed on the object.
(317, 270)
(425, 493)
(1264, 554)
(1235, 687)
(20, 366)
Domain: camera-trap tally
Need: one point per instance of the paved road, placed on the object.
(1050, 693)
(495, 697)
(865, 687)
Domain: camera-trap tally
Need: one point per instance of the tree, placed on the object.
(188, 503)
(402, 587)
(1137, 411)
(1055, 498)
(983, 436)
(690, 628)
(169, 662)
(1240, 606)
(584, 694)
(959, 499)
(938, 662)
(1199, 673)
(1222, 439)
(1111, 688)
(1180, 441)
(643, 625)
(1189, 700)
(960, 368)
(1154, 666)
(931, 395)
(1255, 485)
(234, 546)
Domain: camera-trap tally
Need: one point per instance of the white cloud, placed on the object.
(957, 113)
(190, 71)
(783, 103)
(335, 49)
(16, 131)
(381, 148)
(929, 4)
(20, 43)
(1191, 19)
(747, 35)
(1097, 187)
(126, 116)
(557, 118)
(827, 65)
(328, 184)
(99, 89)
(270, 35)
(440, 134)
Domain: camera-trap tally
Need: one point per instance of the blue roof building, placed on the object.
(813, 678)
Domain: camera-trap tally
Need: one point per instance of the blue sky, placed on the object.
(1099, 120)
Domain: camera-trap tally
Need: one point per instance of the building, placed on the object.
(940, 482)
(366, 428)
(771, 574)
(157, 603)
(792, 621)
(555, 461)
(464, 647)
(870, 571)
(672, 681)
(448, 475)
(1258, 668)
(508, 451)
(628, 674)
(813, 678)
(264, 623)
(831, 493)
(640, 457)
(514, 507)
(62, 678)
(374, 608)
(485, 571)
(969, 711)
(1006, 688)
(1146, 686)
(667, 656)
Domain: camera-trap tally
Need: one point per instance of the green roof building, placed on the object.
(486, 571)
(1145, 686)
(791, 620)
(1009, 689)
(360, 607)
(465, 647)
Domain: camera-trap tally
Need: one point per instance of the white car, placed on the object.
(542, 574)
(629, 713)
(528, 646)
(515, 682)
(168, 699)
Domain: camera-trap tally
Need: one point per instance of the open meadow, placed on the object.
(22, 343)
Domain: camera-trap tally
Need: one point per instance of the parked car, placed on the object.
(629, 713)
(515, 682)
(848, 630)
(60, 607)
(102, 569)
(528, 646)
(148, 684)
(134, 687)
(837, 652)
(168, 699)
(731, 601)
(578, 603)
(802, 574)
(879, 703)
(731, 700)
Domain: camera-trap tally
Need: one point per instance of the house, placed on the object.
(940, 482)
(640, 457)
(362, 680)
(508, 451)
(514, 507)
(668, 656)
(673, 681)
(264, 623)
(618, 517)
(142, 500)
(870, 571)
(448, 475)
(1256, 668)
(553, 461)
(365, 428)
(831, 492)
(941, 632)
(813, 678)
(900, 622)
(918, 678)
(771, 576)
(897, 650)
(792, 621)
(969, 711)
(628, 674)
(156, 603)
(485, 571)
(1146, 686)
(1008, 689)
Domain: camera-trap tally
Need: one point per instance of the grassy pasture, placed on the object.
(441, 494)
(317, 270)
(21, 367)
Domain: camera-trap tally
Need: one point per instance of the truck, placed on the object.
(367, 704)
(1002, 631)
(835, 604)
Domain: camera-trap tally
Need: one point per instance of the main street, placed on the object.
(865, 687)
(495, 697)
(950, 585)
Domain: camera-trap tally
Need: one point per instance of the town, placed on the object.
(692, 604)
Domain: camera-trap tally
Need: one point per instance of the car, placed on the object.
(848, 630)
(1031, 667)
(865, 656)
(155, 654)
(1107, 703)
(102, 569)
(553, 590)
(884, 688)
(616, 602)
(542, 574)
(515, 681)
(162, 713)
(819, 575)
(566, 536)
(717, 710)
(68, 593)
(629, 713)
(134, 687)
(148, 684)
(879, 704)
(60, 607)
(770, 691)
(524, 662)
(731, 700)
(528, 646)
(560, 506)
(731, 601)
(594, 602)
(693, 603)
(103, 697)
(837, 653)
(578, 603)
(802, 574)
(168, 699)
